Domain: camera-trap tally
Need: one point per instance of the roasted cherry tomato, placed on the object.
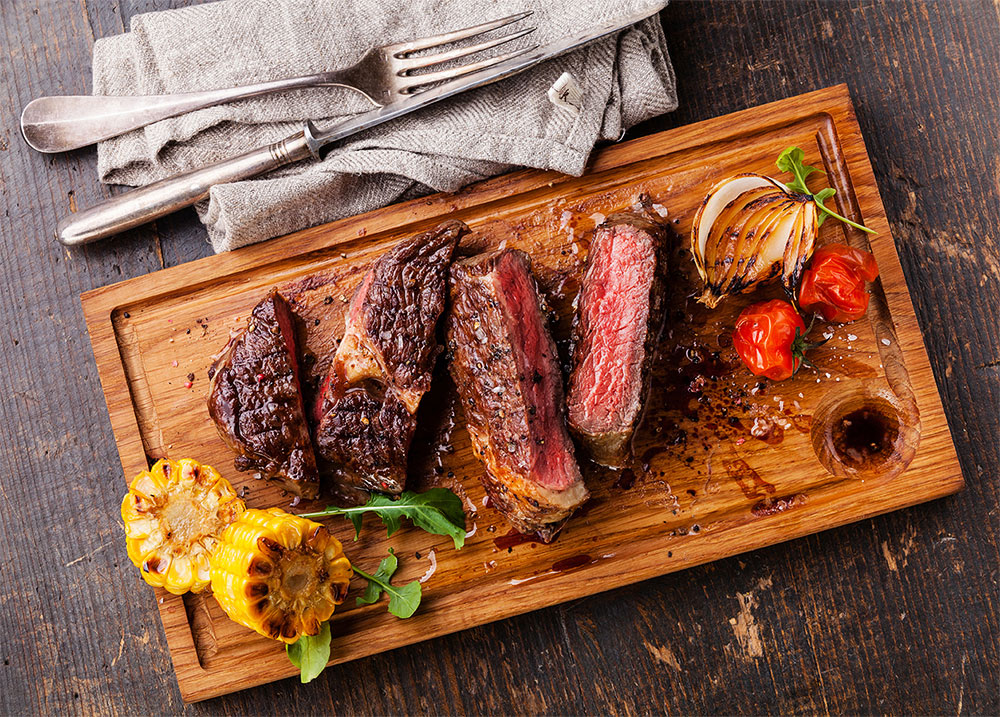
(834, 284)
(770, 338)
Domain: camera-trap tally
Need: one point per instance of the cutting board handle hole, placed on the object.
(862, 430)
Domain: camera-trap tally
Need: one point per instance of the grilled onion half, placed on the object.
(750, 229)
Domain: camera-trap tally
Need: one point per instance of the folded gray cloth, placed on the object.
(622, 80)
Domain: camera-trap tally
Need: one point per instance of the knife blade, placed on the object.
(166, 196)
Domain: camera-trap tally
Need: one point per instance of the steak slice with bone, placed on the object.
(256, 400)
(619, 316)
(505, 366)
(366, 409)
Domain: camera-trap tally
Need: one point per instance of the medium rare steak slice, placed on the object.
(618, 321)
(256, 400)
(367, 407)
(505, 366)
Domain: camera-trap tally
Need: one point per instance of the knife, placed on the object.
(166, 196)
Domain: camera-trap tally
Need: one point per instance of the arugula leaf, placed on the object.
(385, 571)
(310, 653)
(820, 197)
(403, 601)
(792, 160)
(437, 511)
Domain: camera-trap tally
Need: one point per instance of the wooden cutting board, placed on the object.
(726, 462)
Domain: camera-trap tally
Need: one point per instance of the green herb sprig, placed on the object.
(403, 601)
(437, 511)
(310, 653)
(792, 160)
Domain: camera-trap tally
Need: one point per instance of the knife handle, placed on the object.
(166, 196)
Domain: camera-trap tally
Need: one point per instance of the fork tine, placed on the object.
(417, 85)
(425, 43)
(417, 63)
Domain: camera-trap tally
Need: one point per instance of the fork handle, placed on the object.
(182, 190)
(61, 123)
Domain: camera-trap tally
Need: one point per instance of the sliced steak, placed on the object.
(256, 400)
(366, 410)
(505, 366)
(618, 321)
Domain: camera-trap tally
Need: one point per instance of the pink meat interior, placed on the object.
(283, 314)
(355, 310)
(614, 312)
(538, 369)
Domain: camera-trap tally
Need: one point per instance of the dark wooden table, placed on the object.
(893, 615)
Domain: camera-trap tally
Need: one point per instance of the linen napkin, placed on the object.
(613, 84)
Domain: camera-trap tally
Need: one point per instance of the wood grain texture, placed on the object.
(897, 614)
(703, 490)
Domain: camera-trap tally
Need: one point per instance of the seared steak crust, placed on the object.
(618, 321)
(367, 407)
(505, 366)
(367, 433)
(256, 400)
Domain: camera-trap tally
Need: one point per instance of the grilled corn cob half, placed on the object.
(173, 514)
(279, 574)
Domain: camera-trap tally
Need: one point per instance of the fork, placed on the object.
(382, 75)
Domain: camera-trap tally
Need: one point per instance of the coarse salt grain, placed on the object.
(564, 220)
(852, 337)
(886, 342)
